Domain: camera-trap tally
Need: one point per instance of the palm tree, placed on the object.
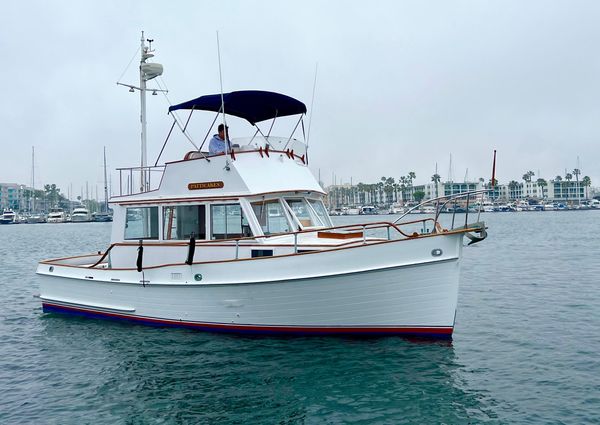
(586, 182)
(403, 185)
(436, 179)
(542, 183)
(512, 188)
(52, 193)
(411, 177)
(558, 179)
(568, 177)
(389, 189)
(528, 175)
(576, 173)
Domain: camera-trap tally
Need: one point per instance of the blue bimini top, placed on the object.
(252, 105)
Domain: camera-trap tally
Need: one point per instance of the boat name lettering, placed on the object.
(205, 185)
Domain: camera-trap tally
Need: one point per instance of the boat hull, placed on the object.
(372, 298)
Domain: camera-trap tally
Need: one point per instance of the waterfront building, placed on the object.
(11, 195)
(566, 190)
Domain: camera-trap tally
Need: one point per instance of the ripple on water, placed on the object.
(525, 347)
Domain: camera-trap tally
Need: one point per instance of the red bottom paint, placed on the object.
(429, 332)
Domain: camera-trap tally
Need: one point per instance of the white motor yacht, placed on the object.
(56, 215)
(241, 241)
(80, 215)
(9, 217)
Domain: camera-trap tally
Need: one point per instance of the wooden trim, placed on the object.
(331, 235)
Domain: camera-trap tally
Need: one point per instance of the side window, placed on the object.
(302, 212)
(228, 221)
(320, 210)
(141, 223)
(179, 222)
(271, 217)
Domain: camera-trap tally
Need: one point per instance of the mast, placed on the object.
(147, 72)
(105, 184)
(144, 155)
(32, 206)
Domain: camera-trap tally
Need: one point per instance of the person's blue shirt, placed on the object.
(216, 145)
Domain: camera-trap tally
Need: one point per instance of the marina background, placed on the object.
(400, 85)
(524, 349)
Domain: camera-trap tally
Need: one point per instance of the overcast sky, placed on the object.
(400, 87)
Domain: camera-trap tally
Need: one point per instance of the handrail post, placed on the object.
(295, 243)
(467, 211)
(364, 230)
(453, 214)
(237, 249)
(388, 231)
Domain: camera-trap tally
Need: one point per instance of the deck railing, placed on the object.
(134, 180)
(357, 235)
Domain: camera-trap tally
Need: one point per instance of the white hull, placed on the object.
(80, 219)
(362, 290)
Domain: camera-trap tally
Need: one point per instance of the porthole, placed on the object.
(197, 277)
(51, 269)
(436, 252)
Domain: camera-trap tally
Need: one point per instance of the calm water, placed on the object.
(525, 350)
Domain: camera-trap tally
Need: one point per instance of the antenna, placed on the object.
(222, 97)
(312, 101)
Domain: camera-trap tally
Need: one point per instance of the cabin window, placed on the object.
(302, 212)
(228, 221)
(179, 222)
(141, 223)
(319, 209)
(271, 216)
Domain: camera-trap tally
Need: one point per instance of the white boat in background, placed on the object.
(549, 207)
(56, 215)
(37, 218)
(9, 217)
(80, 215)
(368, 210)
(241, 241)
(353, 211)
(488, 206)
(397, 209)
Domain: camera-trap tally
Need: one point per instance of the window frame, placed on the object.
(158, 224)
(290, 221)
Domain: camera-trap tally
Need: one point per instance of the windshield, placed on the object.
(319, 209)
(304, 213)
(271, 217)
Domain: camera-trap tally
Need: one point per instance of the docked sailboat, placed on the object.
(241, 241)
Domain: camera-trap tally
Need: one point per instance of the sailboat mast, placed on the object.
(32, 206)
(105, 184)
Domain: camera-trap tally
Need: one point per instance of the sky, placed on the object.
(400, 85)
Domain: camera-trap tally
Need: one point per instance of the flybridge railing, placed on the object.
(134, 180)
(460, 202)
(274, 142)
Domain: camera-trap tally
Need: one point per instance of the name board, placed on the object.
(205, 185)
